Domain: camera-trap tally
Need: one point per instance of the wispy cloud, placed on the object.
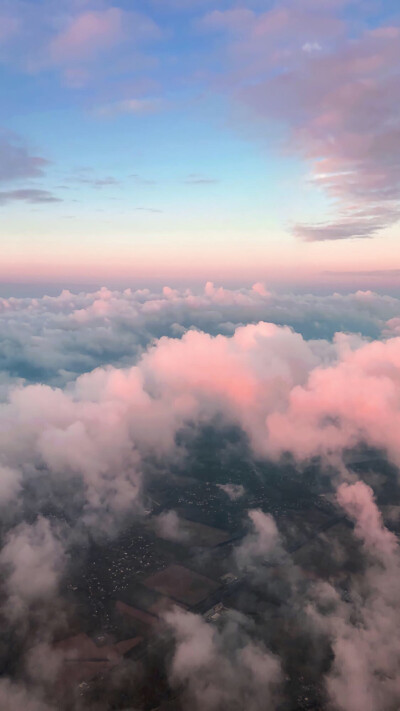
(16, 160)
(198, 179)
(147, 209)
(87, 34)
(139, 180)
(135, 106)
(335, 85)
(105, 182)
(36, 196)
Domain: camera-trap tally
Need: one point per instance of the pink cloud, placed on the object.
(87, 34)
(356, 399)
(365, 672)
(358, 502)
(73, 38)
(9, 26)
(286, 393)
(339, 104)
(235, 20)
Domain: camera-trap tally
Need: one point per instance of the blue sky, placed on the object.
(198, 138)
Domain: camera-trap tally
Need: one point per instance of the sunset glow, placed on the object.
(184, 140)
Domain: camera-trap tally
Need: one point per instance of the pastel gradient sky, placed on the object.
(189, 140)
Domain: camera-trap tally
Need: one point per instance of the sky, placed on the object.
(186, 140)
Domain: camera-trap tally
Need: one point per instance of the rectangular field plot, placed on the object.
(181, 584)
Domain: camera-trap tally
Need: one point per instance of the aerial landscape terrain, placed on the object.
(199, 355)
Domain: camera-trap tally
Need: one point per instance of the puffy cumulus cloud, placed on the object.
(168, 526)
(358, 502)
(43, 664)
(233, 491)
(364, 674)
(393, 327)
(263, 543)
(99, 434)
(244, 377)
(356, 399)
(10, 484)
(355, 629)
(366, 662)
(221, 669)
(286, 393)
(283, 391)
(100, 428)
(15, 696)
(334, 81)
(33, 560)
(53, 339)
(81, 437)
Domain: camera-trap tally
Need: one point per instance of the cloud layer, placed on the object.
(53, 339)
(88, 444)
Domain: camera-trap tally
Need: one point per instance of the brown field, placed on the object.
(181, 584)
(82, 660)
(144, 620)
